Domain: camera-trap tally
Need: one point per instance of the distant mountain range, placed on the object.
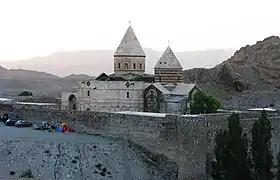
(58, 72)
(14, 81)
(94, 62)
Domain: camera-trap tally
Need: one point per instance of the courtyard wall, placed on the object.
(187, 140)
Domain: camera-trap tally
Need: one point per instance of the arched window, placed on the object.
(127, 94)
(126, 66)
(88, 93)
(140, 65)
(134, 66)
(119, 65)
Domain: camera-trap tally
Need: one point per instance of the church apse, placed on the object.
(72, 102)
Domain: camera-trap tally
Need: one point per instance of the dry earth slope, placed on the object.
(250, 78)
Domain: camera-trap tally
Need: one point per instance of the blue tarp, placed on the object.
(59, 129)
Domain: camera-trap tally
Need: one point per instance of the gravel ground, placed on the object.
(54, 155)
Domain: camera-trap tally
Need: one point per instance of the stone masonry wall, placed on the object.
(187, 140)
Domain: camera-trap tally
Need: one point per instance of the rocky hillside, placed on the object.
(249, 78)
(14, 81)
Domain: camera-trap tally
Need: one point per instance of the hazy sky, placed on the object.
(39, 27)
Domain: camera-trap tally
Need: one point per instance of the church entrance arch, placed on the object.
(72, 102)
(152, 104)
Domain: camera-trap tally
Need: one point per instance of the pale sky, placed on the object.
(39, 27)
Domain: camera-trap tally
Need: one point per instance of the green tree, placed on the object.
(212, 104)
(220, 155)
(261, 148)
(201, 103)
(232, 161)
(197, 102)
(278, 166)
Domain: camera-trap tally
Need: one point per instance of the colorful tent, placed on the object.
(64, 128)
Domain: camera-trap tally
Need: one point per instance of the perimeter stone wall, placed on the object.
(186, 140)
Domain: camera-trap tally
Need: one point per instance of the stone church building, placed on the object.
(129, 88)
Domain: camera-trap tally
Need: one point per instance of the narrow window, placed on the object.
(125, 66)
(119, 65)
(134, 66)
(88, 93)
(127, 94)
(140, 65)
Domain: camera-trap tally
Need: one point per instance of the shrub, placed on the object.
(26, 93)
(27, 174)
(201, 103)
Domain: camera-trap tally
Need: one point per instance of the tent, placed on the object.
(64, 128)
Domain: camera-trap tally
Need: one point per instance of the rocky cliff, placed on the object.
(249, 78)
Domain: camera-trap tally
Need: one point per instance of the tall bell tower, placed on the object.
(129, 56)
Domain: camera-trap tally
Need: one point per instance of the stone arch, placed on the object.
(112, 109)
(104, 109)
(124, 108)
(151, 98)
(125, 65)
(72, 102)
(117, 108)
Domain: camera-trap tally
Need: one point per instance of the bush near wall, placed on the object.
(201, 103)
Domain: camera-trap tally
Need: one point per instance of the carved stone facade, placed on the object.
(152, 99)
(167, 99)
(106, 96)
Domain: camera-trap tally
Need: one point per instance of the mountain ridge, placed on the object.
(95, 62)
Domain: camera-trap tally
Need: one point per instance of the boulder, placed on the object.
(229, 77)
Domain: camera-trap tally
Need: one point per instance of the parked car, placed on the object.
(22, 123)
(43, 126)
(10, 122)
(4, 117)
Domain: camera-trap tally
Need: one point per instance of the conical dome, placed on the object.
(168, 60)
(130, 45)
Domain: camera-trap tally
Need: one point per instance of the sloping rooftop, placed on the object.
(169, 86)
(183, 89)
(179, 89)
(168, 60)
(161, 88)
(130, 45)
